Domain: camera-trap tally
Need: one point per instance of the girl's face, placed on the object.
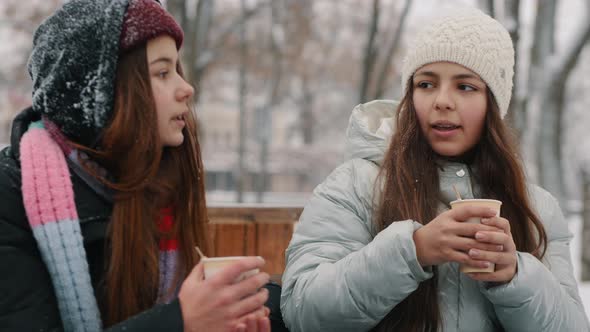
(171, 92)
(450, 102)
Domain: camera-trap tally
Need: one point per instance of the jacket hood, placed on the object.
(20, 125)
(73, 66)
(370, 129)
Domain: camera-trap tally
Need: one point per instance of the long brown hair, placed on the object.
(146, 178)
(410, 179)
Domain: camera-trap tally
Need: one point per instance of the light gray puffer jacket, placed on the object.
(342, 275)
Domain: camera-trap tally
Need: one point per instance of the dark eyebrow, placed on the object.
(456, 77)
(162, 59)
(426, 73)
(463, 76)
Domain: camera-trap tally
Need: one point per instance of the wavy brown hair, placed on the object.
(145, 179)
(409, 175)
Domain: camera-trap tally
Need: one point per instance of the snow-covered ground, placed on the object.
(575, 225)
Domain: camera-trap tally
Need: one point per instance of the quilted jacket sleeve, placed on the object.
(339, 277)
(543, 296)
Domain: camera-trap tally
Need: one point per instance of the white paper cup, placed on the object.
(213, 265)
(489, 203)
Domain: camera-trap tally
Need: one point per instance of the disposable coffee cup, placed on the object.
(489, 203)
(213, 265)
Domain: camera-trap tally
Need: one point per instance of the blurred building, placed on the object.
(292, 171)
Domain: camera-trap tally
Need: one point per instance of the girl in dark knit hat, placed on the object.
(102, 187)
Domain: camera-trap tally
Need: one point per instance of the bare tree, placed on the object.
(18, 19)
(370, 52)
(197, 30)
(242, 117)
(307, 118)
(488, 6)
(307, 91)
(265, 115)
(310, 68)
(178, 9)
(384, 69)
(202, 44)
(516, 109)
(199, 43)
(586, 226)
(376, 64)
(548, 74)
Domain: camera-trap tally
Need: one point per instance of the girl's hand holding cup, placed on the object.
(502, 263)
(506, 260)
(224, 303)
(448, 237)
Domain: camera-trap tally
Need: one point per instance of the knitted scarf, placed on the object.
(48, 198)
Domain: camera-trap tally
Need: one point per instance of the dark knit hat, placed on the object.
(147, 19)
(74, 60)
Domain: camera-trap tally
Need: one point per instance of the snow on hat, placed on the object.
(147, 19)
(73, 63)
(472, 39)
(73, 66)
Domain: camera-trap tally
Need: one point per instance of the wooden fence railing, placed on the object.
(254, 230)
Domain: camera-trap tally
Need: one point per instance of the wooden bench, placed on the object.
(254, 230)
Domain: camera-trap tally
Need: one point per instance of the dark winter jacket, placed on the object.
(27, 299)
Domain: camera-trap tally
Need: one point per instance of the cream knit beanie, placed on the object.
(472, 39)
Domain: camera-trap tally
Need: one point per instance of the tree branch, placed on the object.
(197, 37)
(570, 57)
(178, 9)
(370, 52)
(384, 71)
(206, 57)
(516, 110)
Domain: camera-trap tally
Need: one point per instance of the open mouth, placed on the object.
(445, 126)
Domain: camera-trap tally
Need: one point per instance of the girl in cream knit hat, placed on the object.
(378, 247)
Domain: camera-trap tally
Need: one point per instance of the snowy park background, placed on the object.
(277, 80)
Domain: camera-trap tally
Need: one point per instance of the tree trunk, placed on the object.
(197, 44)
(542, 104)
(538, 85)
(197, 55)
(516, 111)
(488, 7)
(307, 119)
(208, 55)
(370, 53)
(549, 144)
(550, 136)
(240, 173)
(265, 130)
(383, 72)
(178, 9)
(312, 77)
(586, 228)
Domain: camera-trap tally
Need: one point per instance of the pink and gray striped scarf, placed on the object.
(49, 203)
